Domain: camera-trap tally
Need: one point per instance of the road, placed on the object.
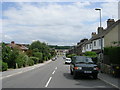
(52, 75)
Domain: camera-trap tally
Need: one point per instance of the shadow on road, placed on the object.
(85, 81)
(69, 76)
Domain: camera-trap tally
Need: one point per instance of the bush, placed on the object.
(21, 60)
(30, 62)
(3, 66)
(35, 59)
(71, 55)
(90, 54)
(38, 55)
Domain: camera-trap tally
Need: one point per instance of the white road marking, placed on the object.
(56, 68)
(108, 82)
(53, 72)
(48, 82)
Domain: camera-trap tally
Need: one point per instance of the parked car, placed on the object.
(68, 61)
(53, 59)
(83, 65)
(64, 57)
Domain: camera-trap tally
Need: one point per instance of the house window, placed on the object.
(87, 46)
(90, 46)
(94, 43)
(99, 42)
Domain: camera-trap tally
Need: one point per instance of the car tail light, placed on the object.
(75, 68)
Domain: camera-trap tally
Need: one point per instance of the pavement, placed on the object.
(110, 79)
(12, 72)
(52, 74)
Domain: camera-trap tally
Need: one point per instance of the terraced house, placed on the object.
(103, 37)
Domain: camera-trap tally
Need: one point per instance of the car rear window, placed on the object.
(83, 60)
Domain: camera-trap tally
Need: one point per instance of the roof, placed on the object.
(102, 34)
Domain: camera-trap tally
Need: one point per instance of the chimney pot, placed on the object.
(93, 34)
(110, 22)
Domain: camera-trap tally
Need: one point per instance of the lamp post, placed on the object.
(101, 55)
(98, 9)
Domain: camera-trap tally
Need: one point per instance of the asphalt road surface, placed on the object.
(52, 75)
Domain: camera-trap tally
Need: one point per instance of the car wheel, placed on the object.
(95, 76)
(71, 72)
(74, 75)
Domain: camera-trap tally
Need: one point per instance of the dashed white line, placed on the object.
(56, 68)
(53, 72)
(48, 82)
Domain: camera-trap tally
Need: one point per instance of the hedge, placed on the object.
(3, 66)
(30, 62)
(35, 59)
(38, 55)
(70, 55)
(113, 53)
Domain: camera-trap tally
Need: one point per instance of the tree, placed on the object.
(9, 55)
(40, 50)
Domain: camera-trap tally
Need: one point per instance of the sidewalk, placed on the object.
(13, 72)
(110, 79)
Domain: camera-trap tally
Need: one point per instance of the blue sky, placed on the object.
(56, 23)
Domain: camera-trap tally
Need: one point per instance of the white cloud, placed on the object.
(110, 10)
(52, 23)
(59, 0)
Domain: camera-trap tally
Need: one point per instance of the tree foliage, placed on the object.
(9, 55)
(41, 50)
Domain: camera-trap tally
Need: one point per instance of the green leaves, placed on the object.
(3, 66)
(41, 51)
(113, 53)
(90, 54)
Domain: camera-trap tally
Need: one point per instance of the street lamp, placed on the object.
(98, 9)
(101, 56)
(100, 26)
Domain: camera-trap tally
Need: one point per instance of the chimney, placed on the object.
(12, 42)
(93, 34)
(110, 22)
(100, 30)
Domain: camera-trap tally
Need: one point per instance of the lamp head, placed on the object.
(97, 9)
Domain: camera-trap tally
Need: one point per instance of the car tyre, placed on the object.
(74, 75)
(95, 76)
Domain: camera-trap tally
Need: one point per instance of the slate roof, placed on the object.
(102, 34)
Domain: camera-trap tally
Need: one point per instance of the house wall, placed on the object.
(98, 44)
(111, 36)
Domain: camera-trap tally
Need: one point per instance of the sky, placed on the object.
(56, 23)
